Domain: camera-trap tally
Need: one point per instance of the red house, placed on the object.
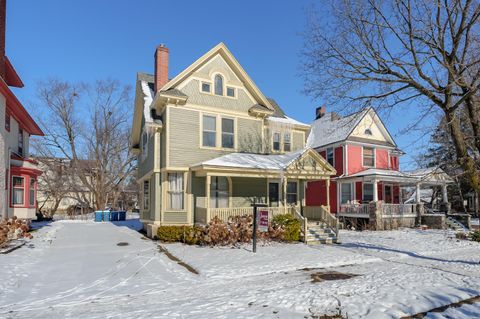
(364, 155)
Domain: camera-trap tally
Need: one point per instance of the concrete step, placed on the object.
(322, 241)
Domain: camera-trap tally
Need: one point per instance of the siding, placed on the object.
(354, 157)
(198, 190)
(298, 142)
(381, 158)
(240, 104)
(246, 190)
(339, 160)
(218, 64)
(146, 165)
(184, 136)
(249, 135)
(175, 218)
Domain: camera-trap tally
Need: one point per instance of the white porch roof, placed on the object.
(425, 176)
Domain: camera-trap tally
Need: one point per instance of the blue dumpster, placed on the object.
(98, 216)
(114, 216)
(122, 215)
(106, 216)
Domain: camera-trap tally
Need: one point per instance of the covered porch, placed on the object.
(227, 186)
(394, 193)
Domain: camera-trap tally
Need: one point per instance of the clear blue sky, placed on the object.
(85, 40)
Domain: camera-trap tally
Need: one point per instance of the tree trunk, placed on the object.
(463, 159)
(473, 105)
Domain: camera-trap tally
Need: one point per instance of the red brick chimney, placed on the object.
(161, 66)
(3, 16)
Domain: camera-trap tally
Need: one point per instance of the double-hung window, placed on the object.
(367, 192)
(368, 157)
(20, 142)
(209, 131)
(31, 195)
(228, 135)
(18, 194)
(175, 191)
(330, 158)
(346, 192)
(292, 193)
(219, 192)
(146, 195)
(287, 142)
(276, 141)
(206, 87)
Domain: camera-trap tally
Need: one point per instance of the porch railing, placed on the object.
(321, 213)
(228, 212)
(398, 209)
(355, 209)
(304, 222)
(201, 215)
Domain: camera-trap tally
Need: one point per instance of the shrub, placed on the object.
(290, 225)
(185, 234)
(475, 236)
(461, 235)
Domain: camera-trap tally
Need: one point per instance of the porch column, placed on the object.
(208, 180)
(285, 194)
(375, 190)
(327, 183)
(417, 193)
(444, 193)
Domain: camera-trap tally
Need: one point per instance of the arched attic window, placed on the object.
(368, 132)
(218, 84)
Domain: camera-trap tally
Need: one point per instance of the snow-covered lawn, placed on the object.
(76, 270)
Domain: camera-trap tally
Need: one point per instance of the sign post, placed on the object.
(255, 221)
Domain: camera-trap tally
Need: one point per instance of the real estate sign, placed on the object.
(263, 221)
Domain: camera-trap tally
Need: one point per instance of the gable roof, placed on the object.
(221, 49)
(330, 129)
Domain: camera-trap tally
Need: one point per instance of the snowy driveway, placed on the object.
(77, 270)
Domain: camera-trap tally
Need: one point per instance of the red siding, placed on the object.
(381, 158)
(316, 194)
(394, 162)
(380, 191)
(323, 154)
(339, 160)
(333, 197)
(354, 159)
(358, 191)
(396, 194)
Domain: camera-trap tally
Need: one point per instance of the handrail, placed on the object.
(304, 220)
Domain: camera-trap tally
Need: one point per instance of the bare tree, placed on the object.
(418, 54)
(89, 126)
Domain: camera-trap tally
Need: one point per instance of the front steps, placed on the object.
(455, 225)
(319, 233)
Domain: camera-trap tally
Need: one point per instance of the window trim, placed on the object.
(296, 192)
(21, 138)
(144, 147)
(352, 195)
(228, 133)
(289, 134)
(374, 156)
(218, 132)
(215, 84)
(209, 131)
(209, 86)
(183, 192)
(279, 141)
(146, 199)
(18, 187)
(234, 92)
(34, 189)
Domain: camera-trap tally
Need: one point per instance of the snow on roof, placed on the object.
(326, 130)
(431, 174)
(286, 120)
(382, 172)
(254, 161)
(147, 101)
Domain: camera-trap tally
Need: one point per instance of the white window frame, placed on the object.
(227, 133)
(204, 130)
(374, 156)
(234, 92)
(215, 85)
(30, 189)
(341, 193)
(209, 85)
(289, 193)
(171, 192)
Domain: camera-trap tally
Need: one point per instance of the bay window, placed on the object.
(18, 193)
(31, 190)
(175, 191)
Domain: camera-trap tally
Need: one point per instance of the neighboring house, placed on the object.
(367, 161)
(18, 172)
(210, 143)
